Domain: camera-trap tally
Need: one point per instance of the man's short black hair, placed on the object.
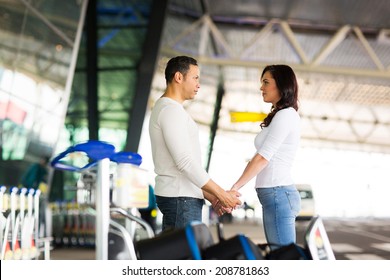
(178, 64)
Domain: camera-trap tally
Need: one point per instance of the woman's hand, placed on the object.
(219, 209)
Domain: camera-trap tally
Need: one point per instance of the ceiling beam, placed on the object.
(375, 73)
(332, 44)
(368, 48)
(294, 42)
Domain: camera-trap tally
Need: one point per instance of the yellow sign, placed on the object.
(247, 116)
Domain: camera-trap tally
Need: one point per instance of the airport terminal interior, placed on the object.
(78, 80)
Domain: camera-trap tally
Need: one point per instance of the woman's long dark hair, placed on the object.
(287, 85)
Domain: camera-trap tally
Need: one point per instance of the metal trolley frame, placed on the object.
(101, 154)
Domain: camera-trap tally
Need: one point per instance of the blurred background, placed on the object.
(71, 71)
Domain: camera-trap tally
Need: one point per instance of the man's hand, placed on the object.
(229, 199)
(219, 209)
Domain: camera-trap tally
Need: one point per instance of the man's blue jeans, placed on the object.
(280, 205)
(179, 211)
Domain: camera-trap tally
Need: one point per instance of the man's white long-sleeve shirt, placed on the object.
(278, 143)
(176, 151)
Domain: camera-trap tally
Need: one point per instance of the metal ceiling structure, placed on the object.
(340, 51)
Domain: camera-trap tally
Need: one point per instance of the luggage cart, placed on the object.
(19, 223)
(109, 189)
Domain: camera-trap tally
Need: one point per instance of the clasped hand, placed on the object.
(220, 209)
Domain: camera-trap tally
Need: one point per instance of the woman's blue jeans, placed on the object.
(179, 211)
(281, 206)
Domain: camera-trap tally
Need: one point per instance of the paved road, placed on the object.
(351, 239)
(359, 239)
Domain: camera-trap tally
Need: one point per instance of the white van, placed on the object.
(307, 202)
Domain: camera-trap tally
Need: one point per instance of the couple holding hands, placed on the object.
(182, 183)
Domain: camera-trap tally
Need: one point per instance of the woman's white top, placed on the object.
(176, 151)
(278, 143)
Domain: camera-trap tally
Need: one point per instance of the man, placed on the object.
(181, 182)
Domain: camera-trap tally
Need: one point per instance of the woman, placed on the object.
(276, 146)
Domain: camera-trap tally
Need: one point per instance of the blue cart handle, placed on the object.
(127, 157)
(95, 150)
